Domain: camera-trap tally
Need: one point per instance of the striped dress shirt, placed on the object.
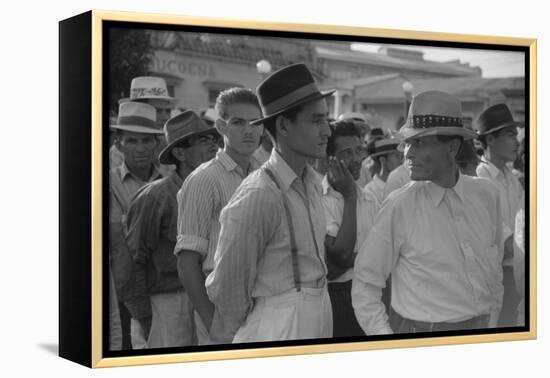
(253, 258)
(443, 248)
(202, 197)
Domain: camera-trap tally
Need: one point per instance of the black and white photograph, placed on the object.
(267, 189)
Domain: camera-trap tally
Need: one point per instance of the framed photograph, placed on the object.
(226, 189)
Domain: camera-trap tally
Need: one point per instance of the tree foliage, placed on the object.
(130, 55)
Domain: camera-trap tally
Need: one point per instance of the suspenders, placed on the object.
(293, 248)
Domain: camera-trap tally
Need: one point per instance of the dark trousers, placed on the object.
(343, 317)
(510, 301)
(400, 324)
(125, 325)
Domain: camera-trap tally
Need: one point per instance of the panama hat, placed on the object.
(435, 113)
(137, 117)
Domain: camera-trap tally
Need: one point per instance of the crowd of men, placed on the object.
(263, 219)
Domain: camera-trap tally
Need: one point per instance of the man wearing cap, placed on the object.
(385, 154)
(349, 214)
(498, 136)
(137, 140)
(205, 193)
(159, 301)
(439, 236)
(269, 278)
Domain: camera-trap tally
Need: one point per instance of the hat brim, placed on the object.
(137, 129)
(165, 156)
(171, 100)
(504, 125)
(305, 100)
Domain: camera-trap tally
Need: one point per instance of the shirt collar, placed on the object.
(437, 192)
(286, 174)
(378, 181)
(492, 169)
(124, 172)
(230, 165)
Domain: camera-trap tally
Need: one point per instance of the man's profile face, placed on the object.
(308, 134)
(427, 158)
(138, 149)
(504, 143)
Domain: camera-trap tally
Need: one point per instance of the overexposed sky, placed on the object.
(493, 63)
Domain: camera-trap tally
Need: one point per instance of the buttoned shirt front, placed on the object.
(253, 258)
(443, 248)
(511, 193)
(333, 203)
(376, 188)
(201, 199)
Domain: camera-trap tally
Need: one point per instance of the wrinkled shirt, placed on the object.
(376, 188)
(152, 228)
(253, 257)
(443, 248)
(511, 194)
(333, 203)
(201, 199)
(397, 178)
(123, 185)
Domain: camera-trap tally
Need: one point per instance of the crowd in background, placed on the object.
(263, 219)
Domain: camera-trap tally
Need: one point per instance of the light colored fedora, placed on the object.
(435, 113)
(137, 117)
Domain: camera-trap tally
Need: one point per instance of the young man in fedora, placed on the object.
(350, 214)
(439, 236)
(269, 278)
(206, 192)
(385, 155)
(159, 300)
(498, 132)
(136, 139)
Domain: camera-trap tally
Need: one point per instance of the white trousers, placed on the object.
(305, 314)
(172, 323)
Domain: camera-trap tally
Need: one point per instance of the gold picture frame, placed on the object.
(82, 42)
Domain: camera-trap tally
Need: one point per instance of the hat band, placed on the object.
(432, 120)
(386, 148)
(290, 98)
(136, 121)
(147, 92)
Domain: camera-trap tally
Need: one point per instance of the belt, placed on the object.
(480, 321)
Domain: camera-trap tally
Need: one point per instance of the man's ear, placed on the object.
(220, 126)
(282, 125)
(454, 147)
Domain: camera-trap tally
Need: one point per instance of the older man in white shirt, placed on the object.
(439, 236)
